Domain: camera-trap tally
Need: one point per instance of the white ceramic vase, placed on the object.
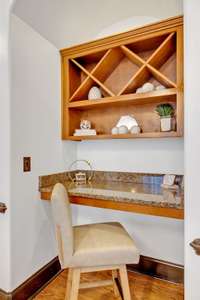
(166, 123)
(94, 93)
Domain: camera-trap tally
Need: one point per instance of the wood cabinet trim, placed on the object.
(124, 206)
(119, 38)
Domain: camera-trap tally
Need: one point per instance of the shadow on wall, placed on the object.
(126, 25)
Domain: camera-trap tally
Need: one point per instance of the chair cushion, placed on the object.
(103, 244)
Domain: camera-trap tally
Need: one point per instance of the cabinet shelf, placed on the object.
(126, 136)
(140, 98)
(118, 66)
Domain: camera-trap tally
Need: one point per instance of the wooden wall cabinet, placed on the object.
(118, 65)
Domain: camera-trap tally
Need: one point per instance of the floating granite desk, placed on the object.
(135, 196)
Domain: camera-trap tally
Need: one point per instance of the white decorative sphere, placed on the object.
(94, 93)
(135, 130)
(123, 129)
(139, 90)
(115, 130)
(160, 87)
(147, 87)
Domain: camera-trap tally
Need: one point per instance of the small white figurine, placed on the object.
(127, 121)
(85, 124)
(147, 87)
(160, 87)
(94, 93)
(139, 90)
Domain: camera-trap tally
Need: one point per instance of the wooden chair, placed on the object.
(91, 248)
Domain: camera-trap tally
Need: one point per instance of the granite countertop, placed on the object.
(129, 192)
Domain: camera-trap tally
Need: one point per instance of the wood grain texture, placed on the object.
(130, 207)
(136, 99)
(124, 283)
(118, 65)
(147, 265)
(124, 206)
(150, 135)
(142, 287)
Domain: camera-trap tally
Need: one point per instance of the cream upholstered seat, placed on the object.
(88, 248)
(103, 244)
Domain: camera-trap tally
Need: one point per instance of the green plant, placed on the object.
(165, 110)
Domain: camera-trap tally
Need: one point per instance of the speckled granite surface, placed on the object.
(106, 176)
(135, 188)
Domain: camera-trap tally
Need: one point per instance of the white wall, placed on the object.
(192, 147)
(35, 128)
(157, 237)
(36, 132)
(68, 22)
(148, 155)
(5, 146)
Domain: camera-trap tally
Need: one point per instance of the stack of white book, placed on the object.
(79, 132)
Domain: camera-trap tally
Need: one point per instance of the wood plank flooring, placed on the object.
(142, 288)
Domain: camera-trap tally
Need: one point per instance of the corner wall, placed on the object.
(5, 271)
(192, 147)
(35, 132)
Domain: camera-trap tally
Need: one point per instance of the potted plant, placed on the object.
(165, 111)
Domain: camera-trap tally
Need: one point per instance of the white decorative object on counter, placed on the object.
(169, 182)
(73, 175)
(160, 87)
(135, 130)
(85, 124)
(166, 123)
(123, 129)
(169, 179)
(127, 121)
(115, 130)
(80, 178)
(94, 93)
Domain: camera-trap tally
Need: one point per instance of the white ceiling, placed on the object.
(69, 22)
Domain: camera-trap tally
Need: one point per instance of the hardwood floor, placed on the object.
(142, 288)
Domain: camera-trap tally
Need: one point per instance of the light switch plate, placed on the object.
(27, 164)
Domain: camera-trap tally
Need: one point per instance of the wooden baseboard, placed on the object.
(150, 266)
(34, 283)
(159, 269)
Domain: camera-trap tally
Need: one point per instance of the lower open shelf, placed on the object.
(126, 136)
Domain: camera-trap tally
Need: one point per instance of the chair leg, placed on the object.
(124, 282)
(114, 277)
(75, 284)
(69, 284)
